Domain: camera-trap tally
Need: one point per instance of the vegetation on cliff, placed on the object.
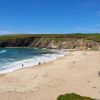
(73, 96)
(67, 41)
(95, 36)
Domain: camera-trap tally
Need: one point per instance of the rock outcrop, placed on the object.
(53, 43)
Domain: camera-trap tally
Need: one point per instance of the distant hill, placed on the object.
(76, 41)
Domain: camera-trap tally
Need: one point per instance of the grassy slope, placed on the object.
(95, 37)
(73, 96)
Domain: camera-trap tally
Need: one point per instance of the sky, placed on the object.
(49, 16)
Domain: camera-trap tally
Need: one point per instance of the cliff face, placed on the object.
(52, 42)
(78, 44)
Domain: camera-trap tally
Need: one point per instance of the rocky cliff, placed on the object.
(56, 42)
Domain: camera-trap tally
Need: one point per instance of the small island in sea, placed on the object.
(50, 67)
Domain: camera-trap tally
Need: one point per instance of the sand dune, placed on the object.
(76, 72)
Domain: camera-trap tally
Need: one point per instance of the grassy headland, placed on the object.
(95, 36)
(77, 41)
(73, 96)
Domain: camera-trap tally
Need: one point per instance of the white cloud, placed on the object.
(91, 3)
(88, 29)
(3, 32)
(97, 26)
(98, 13)
(79, 28)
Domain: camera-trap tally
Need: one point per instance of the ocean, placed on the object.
(12, 59)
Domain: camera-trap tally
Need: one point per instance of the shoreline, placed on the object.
(61, 53)
(76, 72)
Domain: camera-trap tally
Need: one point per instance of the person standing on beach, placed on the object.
(39, 63)
(22, 65)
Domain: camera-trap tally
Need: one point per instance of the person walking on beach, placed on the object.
(22, 65)
(99, 73)
(39, 63)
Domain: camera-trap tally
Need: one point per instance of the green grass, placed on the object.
(57, 37)
(73, 96)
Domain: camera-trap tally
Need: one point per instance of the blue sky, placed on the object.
(49, 16)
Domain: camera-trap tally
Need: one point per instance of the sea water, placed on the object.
(15, 58)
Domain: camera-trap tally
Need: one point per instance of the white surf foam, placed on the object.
(32, 62)
(3, 51)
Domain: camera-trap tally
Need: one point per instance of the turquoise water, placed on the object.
(15, 58)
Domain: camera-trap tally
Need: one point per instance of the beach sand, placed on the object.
(77, 72)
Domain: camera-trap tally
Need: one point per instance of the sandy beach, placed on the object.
(77, 72)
